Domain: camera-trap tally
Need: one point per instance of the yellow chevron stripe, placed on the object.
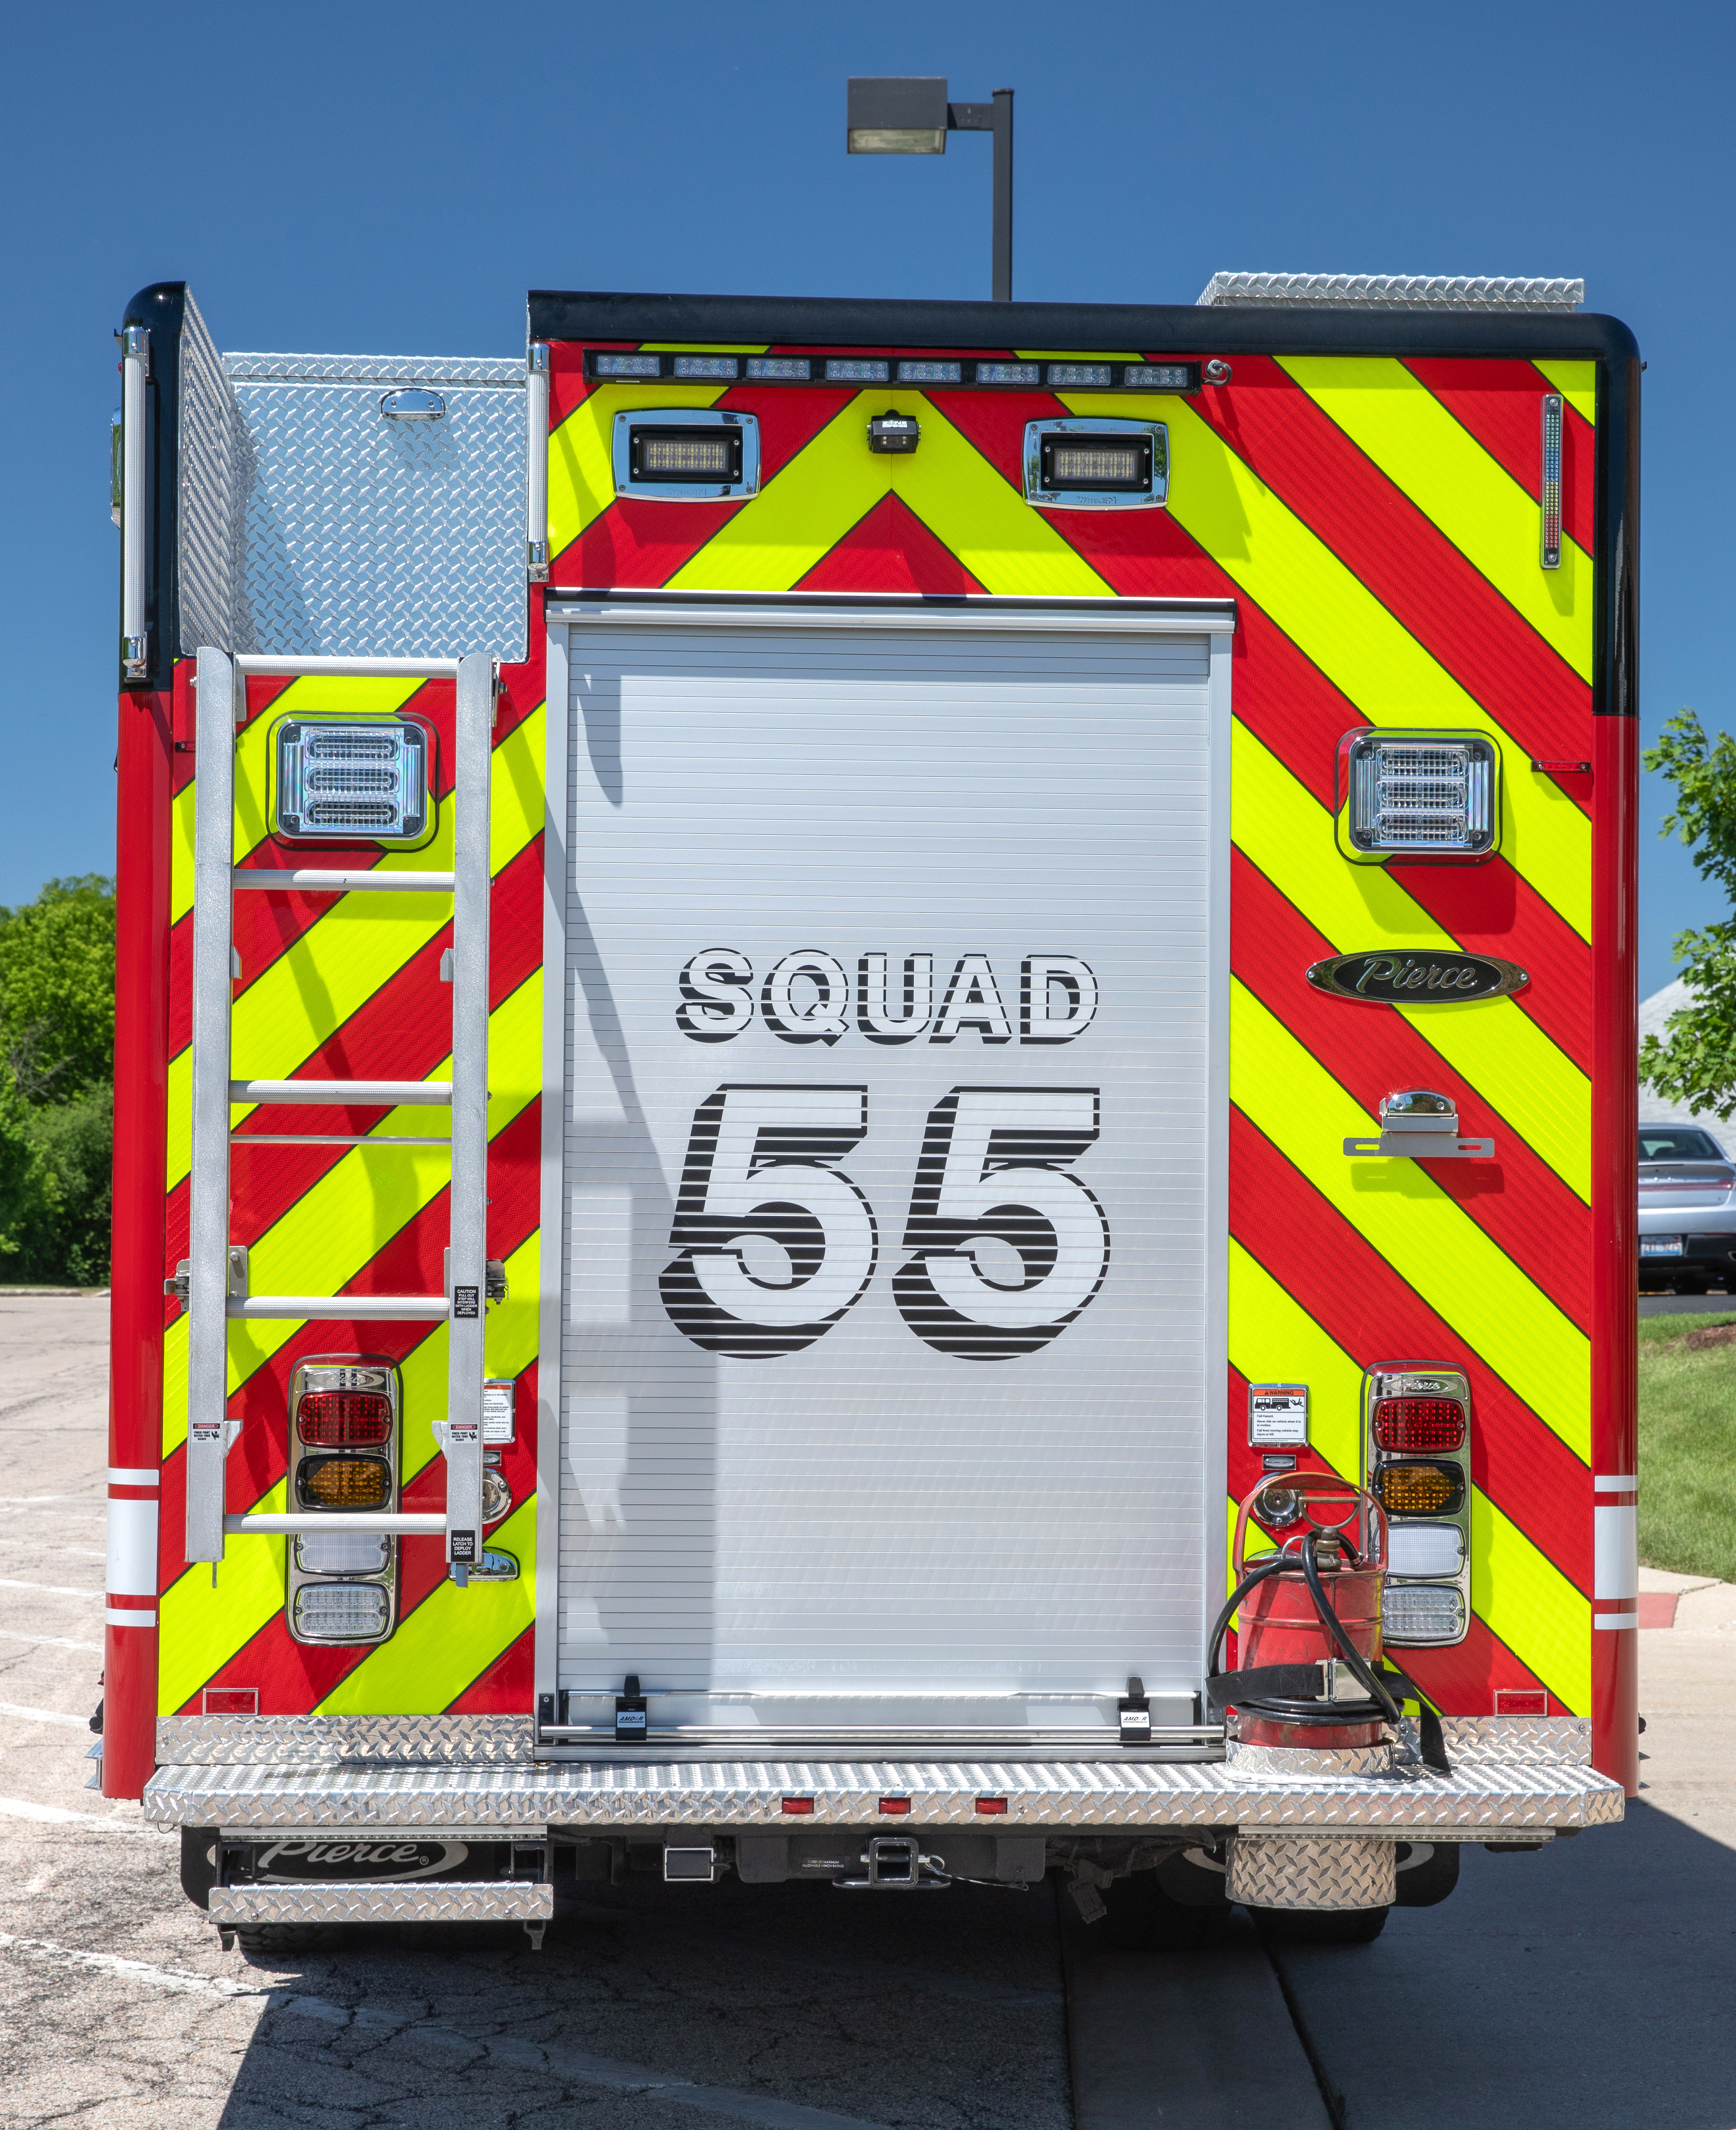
(1273, 1339)
(1333, 618)
(202, 1627)
(330, 1233)
(338, 965)
(1516, 1590)
(835, 480)
(1577, 384)
(1504, 1053)
(1488, 517)
(581, 459)
(1462, 1275)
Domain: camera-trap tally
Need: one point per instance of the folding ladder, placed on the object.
(215, 1275)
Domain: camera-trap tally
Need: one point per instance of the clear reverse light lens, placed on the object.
(1421, 1612)
(1425, 1550)
(343, 1553)
(341, 1612)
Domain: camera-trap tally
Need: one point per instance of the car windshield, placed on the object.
(1677, 1143)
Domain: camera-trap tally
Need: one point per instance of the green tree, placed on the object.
(57, 1082)
(1695, 1061)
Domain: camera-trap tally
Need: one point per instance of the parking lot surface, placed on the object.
(1590, 1984)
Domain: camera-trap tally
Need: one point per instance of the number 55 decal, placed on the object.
(755, 1188)
(992, 1166)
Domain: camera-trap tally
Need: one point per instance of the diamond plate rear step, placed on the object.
(252, 1908)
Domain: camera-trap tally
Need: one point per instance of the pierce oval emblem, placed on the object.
(1388, 979)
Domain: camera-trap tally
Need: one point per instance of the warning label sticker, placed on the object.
(1277, 1415)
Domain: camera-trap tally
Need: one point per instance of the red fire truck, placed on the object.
(875, 1100)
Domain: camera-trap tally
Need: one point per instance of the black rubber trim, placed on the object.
(160, 309)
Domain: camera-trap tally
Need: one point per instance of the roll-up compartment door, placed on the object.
(891, 1361)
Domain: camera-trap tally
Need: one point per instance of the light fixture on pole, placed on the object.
(909, 115)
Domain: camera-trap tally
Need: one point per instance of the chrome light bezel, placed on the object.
(343, 1372)
(745, 428)
(1360, 810)
(1389, 1379)
(1154, 497)
(408, 804)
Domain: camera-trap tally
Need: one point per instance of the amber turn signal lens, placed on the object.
(344, 1419)
(1419, 1490)
(345, 1483)
(1418, 1425)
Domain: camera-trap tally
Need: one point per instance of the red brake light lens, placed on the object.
(1414, 1426)
(344, 1419)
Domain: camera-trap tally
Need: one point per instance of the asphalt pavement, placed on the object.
(1589, 1985)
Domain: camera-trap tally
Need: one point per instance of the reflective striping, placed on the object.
(1486, 514)
(204, 1624)
(1615, 1539)
(132, 1570)
(1451, 1262)
(114, 1617)
(1504, 1053)
(1530, 1604)
(1334, 619)
(124, 1475)
(1274, 1340)
(1499, 401)
(1616, 1619)
(581, 451)
(1576, 381)
(1628, 1485)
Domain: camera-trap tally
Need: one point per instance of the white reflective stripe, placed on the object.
(1617, 1485)
(1615, 1552)
(1616, 1619)
(132, 1570)
(125, 1475)
(113, 1617)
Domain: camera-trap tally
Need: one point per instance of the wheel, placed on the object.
(1428, 1873)
(1175, 1906)
(285, 1940)
(1318, 1926)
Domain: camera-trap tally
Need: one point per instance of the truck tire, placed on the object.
(1146, 1915)
(1431, 1878)
(1318, 1926)
(287, 1941)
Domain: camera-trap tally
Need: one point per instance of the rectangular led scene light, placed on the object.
(1427, 794)
(361, 780)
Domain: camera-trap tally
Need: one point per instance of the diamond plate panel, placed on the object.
(216, 464)
(1394, 292)
(1300, 1873)
(1498, 1797)
(501, 1901)
(1519, 1737)
(364, 537)
(325, 1740)
(1291, 1761)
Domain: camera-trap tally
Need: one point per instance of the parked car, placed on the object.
(1687, 1211)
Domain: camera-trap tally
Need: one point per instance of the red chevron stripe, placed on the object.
(1359, 1302)
(1404, 558)
(1498, 402)
(889, 549)
(1462, 1681)
(508, 1687)
(1517, 1200)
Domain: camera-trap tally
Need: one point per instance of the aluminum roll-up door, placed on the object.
(891, 1361)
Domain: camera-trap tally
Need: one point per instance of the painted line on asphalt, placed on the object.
(57, 1815)
(52, 1589)
(51, 1642)
(31, 1501)
(761, 2108)
(24, 1715)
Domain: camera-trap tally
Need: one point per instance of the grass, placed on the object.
(1688, 1439)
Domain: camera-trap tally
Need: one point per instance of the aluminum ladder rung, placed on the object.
(363, 1308)
(346, 1094)
(211, 1307)
(308, 880)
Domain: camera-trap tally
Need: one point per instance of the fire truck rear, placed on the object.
(875, 1101)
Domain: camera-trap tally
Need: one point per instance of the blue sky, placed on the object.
(361, 178)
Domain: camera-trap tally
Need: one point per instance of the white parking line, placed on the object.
(51, 1642)
(761, 2108)
(42, 1716)
(52, 1589)
(30, 1500)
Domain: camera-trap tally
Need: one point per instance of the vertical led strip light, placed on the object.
(135, 367)
(1551, 497)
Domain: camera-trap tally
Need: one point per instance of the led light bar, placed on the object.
(342, 1612)
(851, 369)
(1009, 373)
(1078, 376)
(1423, 1613)
(357, 779)
(1429, 795)
(1550, 488)
(780, 369)
(1160, 377)
(626, 365)
(678, 456)
(718, 367)
(930, 372)
(607, 366)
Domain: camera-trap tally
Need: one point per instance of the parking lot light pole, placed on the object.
(909, 115)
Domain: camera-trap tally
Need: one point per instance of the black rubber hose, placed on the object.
(1359, 1668)
(1274, 1564)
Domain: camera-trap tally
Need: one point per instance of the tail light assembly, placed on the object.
(1416, 1462)
(345, 1437)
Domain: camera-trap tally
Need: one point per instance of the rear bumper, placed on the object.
(1513, 1779)
(249, 1906)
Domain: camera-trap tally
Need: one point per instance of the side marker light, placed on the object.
(1550, 487)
